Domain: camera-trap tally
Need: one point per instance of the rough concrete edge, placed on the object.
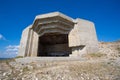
(19, 51)
(52, 14)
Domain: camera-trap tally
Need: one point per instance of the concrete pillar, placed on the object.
(24, 42)
(34, 49)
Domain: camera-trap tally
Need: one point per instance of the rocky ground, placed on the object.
(111, 49)
(103, 65)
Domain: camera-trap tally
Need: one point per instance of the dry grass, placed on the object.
(19, 57)
(69, 70)
(103, 70)
(95, 55)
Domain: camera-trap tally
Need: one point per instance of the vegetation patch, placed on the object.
(19, 57)
(118, 48)
(95, 55)
(25, 69)
(7, 60)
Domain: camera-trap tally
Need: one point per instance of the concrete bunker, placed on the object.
(55, 34)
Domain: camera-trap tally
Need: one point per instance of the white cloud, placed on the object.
(2, 37)
(10, 51)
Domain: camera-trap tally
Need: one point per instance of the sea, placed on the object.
(5, 58)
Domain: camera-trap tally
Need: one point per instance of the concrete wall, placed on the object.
(83, 34)
(28, 43)
(24, 41)
(78, 51)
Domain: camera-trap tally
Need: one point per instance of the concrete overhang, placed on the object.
(52, 21)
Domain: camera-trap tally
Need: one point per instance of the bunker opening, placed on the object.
(53, 45)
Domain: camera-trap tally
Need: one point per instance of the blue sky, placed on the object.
(15, 15)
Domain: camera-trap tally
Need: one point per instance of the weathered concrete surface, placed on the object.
(83, 36)
(34, 44)
(24, 41)
(81, 33)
